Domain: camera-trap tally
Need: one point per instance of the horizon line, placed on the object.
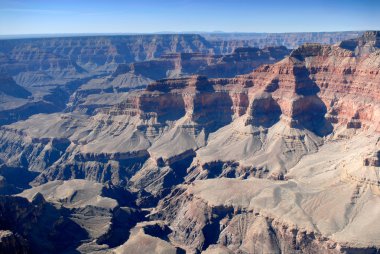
(46, 35)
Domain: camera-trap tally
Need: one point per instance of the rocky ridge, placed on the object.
(228, 42)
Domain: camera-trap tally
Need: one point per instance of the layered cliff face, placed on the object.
(94, 52)
(283, 110)
(74, 70)
(284, 159)
(240, 61)
(106, 91)
(112, 89)
(227, 42)
(51, 69)
(331, 191)
(48, 61)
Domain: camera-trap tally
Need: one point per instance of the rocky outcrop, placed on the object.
(11, 243)
(372, 160)
(364, 45)
(74, 215)
(106, 91)
(319, 210)
(37, 223)
(244, 60)
(154, 235)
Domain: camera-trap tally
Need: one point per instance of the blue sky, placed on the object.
(146, 16)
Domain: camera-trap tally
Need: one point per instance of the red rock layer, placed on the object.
(315, 87)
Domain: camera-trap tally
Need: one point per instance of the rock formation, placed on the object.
(51, 69)
(228, 42)
(111, 90)
(240, 61)
(284, 159)
(67, 215)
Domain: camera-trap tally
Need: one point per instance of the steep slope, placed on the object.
(18, 103)
(105, 91)
(9, 87)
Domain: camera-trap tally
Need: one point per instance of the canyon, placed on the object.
(191, 144)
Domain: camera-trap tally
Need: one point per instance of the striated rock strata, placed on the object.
(284, 159)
